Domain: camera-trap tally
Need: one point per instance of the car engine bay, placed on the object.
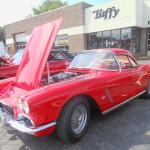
(59, 76)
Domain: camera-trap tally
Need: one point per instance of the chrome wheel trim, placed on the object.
(79, 119)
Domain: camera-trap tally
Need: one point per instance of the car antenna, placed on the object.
(48, 73)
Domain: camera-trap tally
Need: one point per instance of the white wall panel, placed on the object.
(130, 14)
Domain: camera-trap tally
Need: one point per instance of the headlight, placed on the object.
(26, 107)
(20, 103)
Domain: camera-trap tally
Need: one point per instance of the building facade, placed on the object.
(114, 24)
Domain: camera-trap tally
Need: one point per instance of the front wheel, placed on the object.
(147, 92)
(73, 120)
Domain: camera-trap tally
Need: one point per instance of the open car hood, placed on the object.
(36, 54)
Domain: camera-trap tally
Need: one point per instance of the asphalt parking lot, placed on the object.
(127, 128)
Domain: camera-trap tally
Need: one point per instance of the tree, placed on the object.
(2, 35)
(48, 5)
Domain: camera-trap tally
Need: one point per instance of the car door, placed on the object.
(131, 77)
(110, 83)
(8, 71)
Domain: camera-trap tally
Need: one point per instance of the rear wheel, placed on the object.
(147, 92)
(73, 120)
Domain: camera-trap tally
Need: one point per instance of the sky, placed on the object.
(15, 10)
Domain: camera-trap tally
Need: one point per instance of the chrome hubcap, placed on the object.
(79, 119)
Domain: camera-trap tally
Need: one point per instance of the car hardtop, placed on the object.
(116, 51)
(113, 51)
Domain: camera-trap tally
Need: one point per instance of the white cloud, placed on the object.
(14, 10)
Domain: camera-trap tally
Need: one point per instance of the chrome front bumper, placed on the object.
(20, 127)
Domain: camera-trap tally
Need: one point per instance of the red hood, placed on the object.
(36, 54)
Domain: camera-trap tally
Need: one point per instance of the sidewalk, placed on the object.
(143, 61)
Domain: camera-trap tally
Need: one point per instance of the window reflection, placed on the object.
(148, 41)
(99, 37)
(62, 42)
(115, 40)
(107, 39)
(126, 38)
(20, 41)
(92, 41)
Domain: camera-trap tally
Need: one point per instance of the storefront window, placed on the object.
(62, 42)
(148, 40)
(126, 39)
(99, 40)
(106, 39)
(20, 41)
(115, 39)
(92, 44)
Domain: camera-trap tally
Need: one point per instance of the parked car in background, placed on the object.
(57, 60)
(3, 61)
(40, 103)
(6, 56)
(9, 68)
(15, 60)
(73, 54)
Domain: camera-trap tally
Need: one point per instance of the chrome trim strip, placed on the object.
(115, 57)
(20, 127)
(115, 107)
(109, 96)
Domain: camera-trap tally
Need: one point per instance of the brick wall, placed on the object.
(77, 43)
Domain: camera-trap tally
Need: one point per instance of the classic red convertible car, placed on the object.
(40, 103)
(57, 60)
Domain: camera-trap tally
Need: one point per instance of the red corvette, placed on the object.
(39, 103)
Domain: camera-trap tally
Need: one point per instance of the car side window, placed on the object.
(133, 63)
(124, 61)
(108, 62)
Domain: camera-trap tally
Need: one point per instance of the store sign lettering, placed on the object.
(106, 14)
(148, 22)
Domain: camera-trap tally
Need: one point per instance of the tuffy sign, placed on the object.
(106, 14)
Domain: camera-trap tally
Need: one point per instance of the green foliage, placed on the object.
(2, 35)
(48, 5)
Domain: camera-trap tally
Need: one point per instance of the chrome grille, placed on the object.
(7, 109)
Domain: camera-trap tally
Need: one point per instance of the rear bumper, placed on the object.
(6, 119)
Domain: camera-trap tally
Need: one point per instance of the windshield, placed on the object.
(17, 57)
(95, 60)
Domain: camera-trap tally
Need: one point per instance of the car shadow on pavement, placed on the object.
(126, 128)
